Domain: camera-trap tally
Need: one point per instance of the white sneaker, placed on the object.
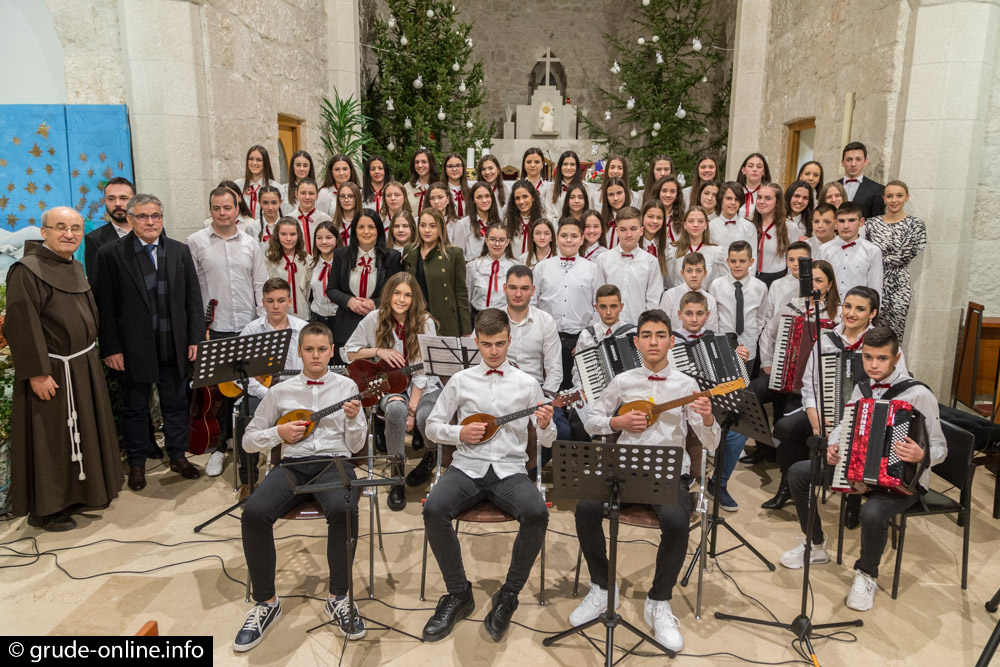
(666, 629)
(214, 466)
(794, 559)
(862, 595)
(592, 606)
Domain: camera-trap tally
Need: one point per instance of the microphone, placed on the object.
(805, 276)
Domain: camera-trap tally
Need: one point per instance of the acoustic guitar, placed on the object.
(203, 422)
(653, 410)
(376, 389)
(494, 423)
(365, 372)
(235, 389)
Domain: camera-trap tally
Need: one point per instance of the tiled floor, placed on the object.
(932, 622)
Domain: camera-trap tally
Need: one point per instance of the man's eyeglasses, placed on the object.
(146, 217)
(76, 230)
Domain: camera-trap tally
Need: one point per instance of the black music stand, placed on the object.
(236, 359)
(348, 485)
(444, 356)
(647, 474)
(738, 411)
(991, 645)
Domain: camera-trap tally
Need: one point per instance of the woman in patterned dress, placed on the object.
(901, 237)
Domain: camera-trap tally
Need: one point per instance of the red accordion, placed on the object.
(795, 340)
(868, 432)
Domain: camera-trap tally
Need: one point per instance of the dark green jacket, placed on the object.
(448, 296)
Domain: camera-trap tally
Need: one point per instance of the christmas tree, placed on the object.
(666, 101)
(426, 93)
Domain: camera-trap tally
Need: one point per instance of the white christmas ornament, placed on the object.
(392, 21)
(479, 144)
(403, 41)
(418, 83)
(390, 147)
(642, 40)
(704, 79)
(461, 87)
(631, 103)
(441, 115)
(621, 88)
(468, 124)
(656, 126)
(430, 13)
(656, 38)
(654, 133)
(639, 183)
(633, 132)
(468, 40)
(607, 115)
(681, 180)
(407, 123)
(593, 149)
(616, 68)
(455, 66)
(696, 44)
(389, 105)
(659, 58)
(680, 112)
(645, 3)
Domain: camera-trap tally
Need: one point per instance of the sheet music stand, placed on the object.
(649, 474)
(446, 355)
(236, 359)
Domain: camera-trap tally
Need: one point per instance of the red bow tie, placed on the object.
(656, 378)
(848, 245)
(857, 345)
(851, 180)
(493, 370)
(730, 222)
(627, 254)
(401, 335)
(608, 332)
(568, 259)
(323, 273)
(881, 385)
(695, 336)
(312, 382)
(651, 249)
(459, 201)
(252, 191)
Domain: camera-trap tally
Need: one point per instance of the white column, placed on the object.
(753, 23)
(954, 46)
(343, 47)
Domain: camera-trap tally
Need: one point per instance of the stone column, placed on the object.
(343, 47)
(953, 51)
(168, 110)
(753, 22)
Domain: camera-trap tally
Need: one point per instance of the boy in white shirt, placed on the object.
(786, 288)
(636, 273)
(824, 227)
(854, 260)
(609, 309)
(693, 272)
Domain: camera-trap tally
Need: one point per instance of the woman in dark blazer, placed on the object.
(440, 270)
(372, 263)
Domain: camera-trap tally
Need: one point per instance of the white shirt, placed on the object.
(324, 201)
(467, 240)
(364, 336)
(484, 284)
(321, 304)
(354, 280)
(817, 245)
(926, 403)
(253, 202)
(724, 231)
(747, 208)
(588, 340)
(417, 194)
(856, 263)
(781, 291)
(122, 233)
(300, 284)
(152, 256)
(334, 435)
(519, 244)
(682, 336)
(461, 205)
(593, 252)
(308, 223)
(766, 256)
(565, 288)
(670, 428)
(231, 271)
(754, 293)
(293, 362)
(670, 303)
(471, 391)
(638, 277)
(329, 197)
(535, 347)
(852, 188)
(715, 264)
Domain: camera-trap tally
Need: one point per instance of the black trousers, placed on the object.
(174, 404)
(456, 492)
(568, 342)
(791, 434)
(769, 278)
(225, 414)
(274, 498)
(669, 555)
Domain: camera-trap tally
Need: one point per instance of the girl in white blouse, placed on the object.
(376, 177)
(540, 240)
(706, 169)
(258, 173)
(438, 196)
(299, 167)
(339, 171)
(423, 172)
(325, 241)
(799, 207)
(393, 201)
(773, 233)
(458, 182)
(524, 210)
(595, 232)
(270, 210)
(695, 237)
(470, 231)
(489, 171)
(286, 258)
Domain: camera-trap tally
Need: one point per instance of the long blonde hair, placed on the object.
(415, 320)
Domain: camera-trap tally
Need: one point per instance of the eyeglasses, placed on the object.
(453, 166)
(147, 217)
(76, 230)
(496, 241)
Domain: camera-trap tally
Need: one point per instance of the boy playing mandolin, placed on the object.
(341, 433)
(658, 383)
(493, 470)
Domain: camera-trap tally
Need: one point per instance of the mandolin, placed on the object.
(235, 389)
(203, 422)
(375, 389)
(365, 372)
(653, 410)
(493, 423)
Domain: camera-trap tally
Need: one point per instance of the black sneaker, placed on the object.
(347, 618)
(259, 619)
(852, 518)
(504, 606)
(450, 610)
(423, 470)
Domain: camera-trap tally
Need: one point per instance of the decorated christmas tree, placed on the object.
(670, 98)
(426, 92)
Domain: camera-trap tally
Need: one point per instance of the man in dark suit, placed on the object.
(150, 307)
(864, 192)
(116, 195)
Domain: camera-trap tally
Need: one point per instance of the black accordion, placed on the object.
(839, 372)
(598, 365)
(711, 357)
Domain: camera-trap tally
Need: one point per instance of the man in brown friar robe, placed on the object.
(58, 461)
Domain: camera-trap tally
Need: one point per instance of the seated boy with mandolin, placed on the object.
(311, 445)
(488, 464)
(653, 383)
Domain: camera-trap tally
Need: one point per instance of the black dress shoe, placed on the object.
(761, 454)
(423, 470)
(852, 518)
(504, 606)
(417, 440)
(154, 452)
(450, 610)
(54, 523)
(184, 467)
(397, 494)
(137, 478)
(781, 498)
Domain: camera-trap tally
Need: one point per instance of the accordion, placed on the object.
(598, 365)
(869, 429)
(795, 339)
(839, 372)
(712, 357)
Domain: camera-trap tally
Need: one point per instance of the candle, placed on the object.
(470, 157)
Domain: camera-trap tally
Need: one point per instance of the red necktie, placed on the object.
(312, 382)
(291, 269)
(698, 249)
(626, 254)
(345, 235)
(493, 370)
(525, 231)
(848, 245)
(608, 332)
(857, 345)
(401, 335)
(483, 228)
(377, 196)
(323, 273)
(252, 191)
(670, 229)
(656, 378)
(494, 279)
(266, 234)
(366, 268)
(881, 385)
(589, 254)
(420, 203)
(538, 185)
(749, 198)
(459, 201)
(764, 235)
(651, 249)
(613, 228)
(305, 219)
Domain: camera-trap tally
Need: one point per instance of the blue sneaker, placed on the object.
(726, 501)
(348, 620)
(259, 619)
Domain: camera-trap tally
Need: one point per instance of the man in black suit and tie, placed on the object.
(864, 192)
(116, 195)
(151, 321)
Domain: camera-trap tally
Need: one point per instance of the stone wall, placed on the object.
(985, 288)
(92, 50)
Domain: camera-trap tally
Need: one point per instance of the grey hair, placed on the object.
(140, 199)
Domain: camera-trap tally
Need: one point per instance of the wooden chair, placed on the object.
(963, 384)
(486, 512)
(150, 629)
(958, 470)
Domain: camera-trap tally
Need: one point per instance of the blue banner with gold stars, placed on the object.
(59, 155)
